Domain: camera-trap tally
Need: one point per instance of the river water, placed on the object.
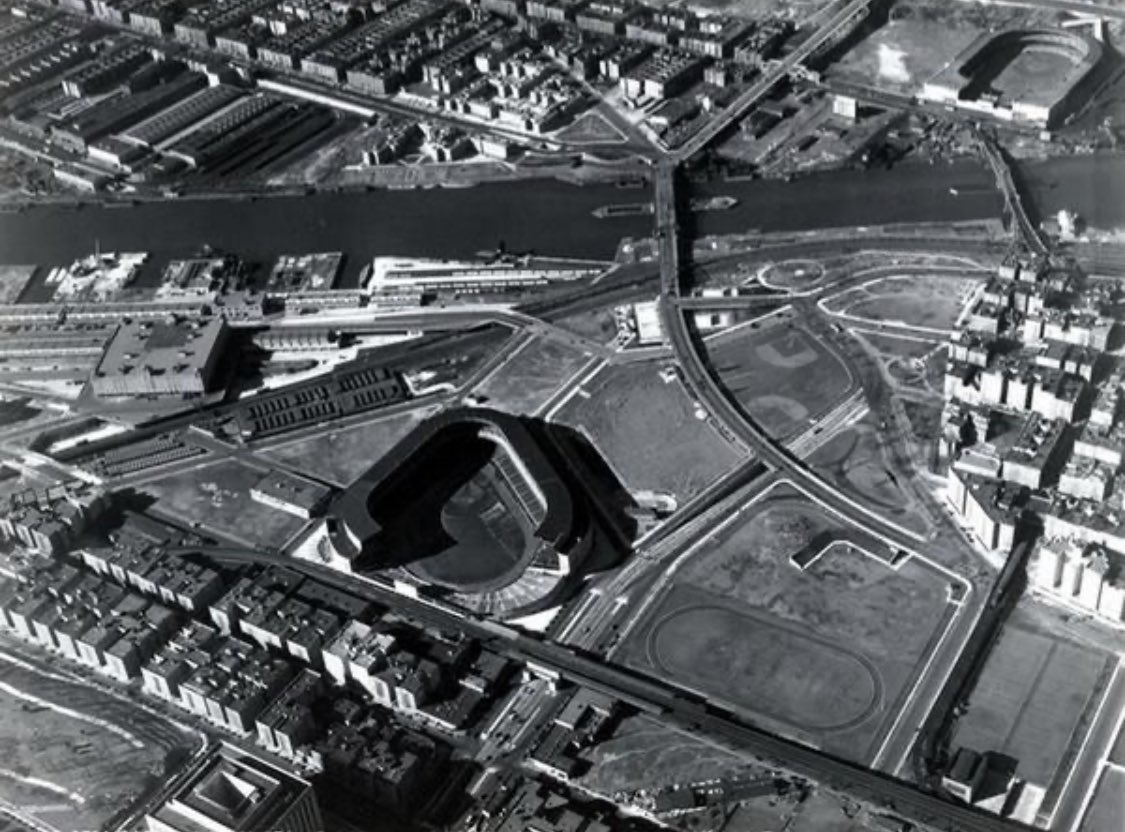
(549, 217)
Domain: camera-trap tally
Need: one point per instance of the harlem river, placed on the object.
(548, 217)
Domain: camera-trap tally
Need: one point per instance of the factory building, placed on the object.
(168, 358)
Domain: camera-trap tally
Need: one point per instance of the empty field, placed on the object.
(76, 771)
(217, 497)
(822, 654)
(532, 376)
(646, 754)
(341, 455)
(597, 324)
(1029, 700)
(856, 461)
(929, 301)
(782, 376)
(627, 411)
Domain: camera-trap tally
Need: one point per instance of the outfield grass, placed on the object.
(1029, 701)
(533, 376)
(853, 611)
(782, 376)
(628, 410)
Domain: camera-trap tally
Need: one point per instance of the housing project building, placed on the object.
(234, 791)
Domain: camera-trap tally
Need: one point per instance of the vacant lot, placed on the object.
(646, 754)
(856, 461)
(339, 456)
(1030, 699)
(217, 497)
(597, 325)
(646, 429)
(532, 376)
(932, 301)
(81, 769)
(823, 654)
(783, 376)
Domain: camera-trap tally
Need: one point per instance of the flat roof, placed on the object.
(176, 347)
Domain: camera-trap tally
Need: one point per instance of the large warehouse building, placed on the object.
(166, 358)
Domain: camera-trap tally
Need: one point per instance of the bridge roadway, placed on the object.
(772, 75)
(994, 155)
(685, 711)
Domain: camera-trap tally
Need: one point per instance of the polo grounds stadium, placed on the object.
(1035, 77)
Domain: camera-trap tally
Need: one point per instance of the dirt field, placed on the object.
(339, 456)
(1029, 700)
(598, 325)
(217, 497)
(784, 377)
(75, 772)
(822, 654)
(529, 380)
(659, 414)
(645, 754)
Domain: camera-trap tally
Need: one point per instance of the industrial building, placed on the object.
(662, 75)
(174, 120)
(167, 358)
(290, 493)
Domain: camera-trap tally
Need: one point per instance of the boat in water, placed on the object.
(635, 209)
